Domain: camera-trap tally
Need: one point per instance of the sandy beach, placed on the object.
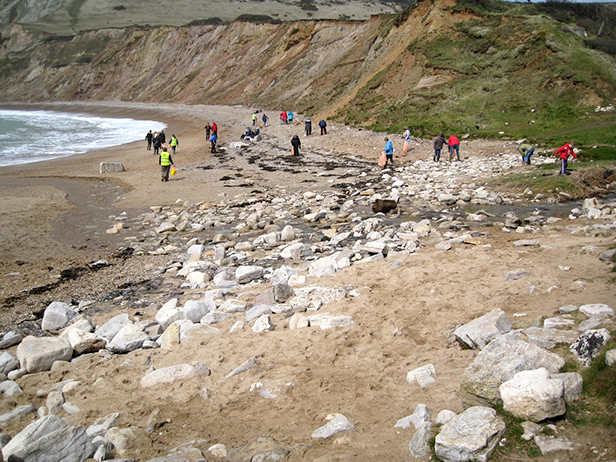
(55, 216)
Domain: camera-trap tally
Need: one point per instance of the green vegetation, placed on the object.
(510, 71)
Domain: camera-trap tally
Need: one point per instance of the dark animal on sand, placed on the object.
(384, 205)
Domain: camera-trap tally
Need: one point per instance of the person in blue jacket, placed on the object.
(389, 152)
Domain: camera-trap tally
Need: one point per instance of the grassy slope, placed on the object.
(513, 70)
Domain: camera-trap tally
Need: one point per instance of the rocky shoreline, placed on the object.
(257, 318)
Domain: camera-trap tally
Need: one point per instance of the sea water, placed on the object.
(32, 136)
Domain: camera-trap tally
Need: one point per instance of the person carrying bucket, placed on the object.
(166, 162)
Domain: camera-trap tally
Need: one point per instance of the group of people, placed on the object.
(158, 141)
(453, 146)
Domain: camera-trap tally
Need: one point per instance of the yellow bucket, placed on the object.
(173, 171)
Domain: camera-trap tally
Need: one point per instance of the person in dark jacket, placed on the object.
(438, 146)
(162, 137)
(323, 126)
(157, 145)
(308, 127)
(296, 143)
(149, 137)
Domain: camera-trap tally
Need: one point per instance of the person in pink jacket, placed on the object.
(564, 152)
(454, 145)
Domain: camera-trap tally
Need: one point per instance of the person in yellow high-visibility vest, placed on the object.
(173, 143)
(166, 162)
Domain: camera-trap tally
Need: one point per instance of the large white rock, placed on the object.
(38, 354)
(588, 345)
(481, 331)
(263, 324)
(470, 436)
(246, 274)
(573, 384)
(101, 425)
(113, 326)
(175, 373)
(111, 167)
(57, 315)
(498, 362)
(169, 313)
(533, 395)
(337, 423)
(424, 375)
(596, 309)
(85, 342)
(194, 310)
(314, 297)
(50, 439)
(128, 339)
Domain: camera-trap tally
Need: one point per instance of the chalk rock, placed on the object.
(111, 167)
(170, 338)
(283, 274)
(549, 444)
(444, 416)
(165, 227)
(54, 402)
(516, 274)
(214, 317)
(596, 309)
(173, 374)
(8, 363)
(314, 297)
(263, 324)
(85, 342)
(169, 313)
(418, 418)
(329, 321)
(123, 439)
(19, 411)
(113, 326)
(38, 354)
(194, 310)
(246, 274)
(57, 315)
(9, 339)
(549, 338)
(498, 362)
(481, 331)
(424, 375)
(589, 344)
(526, 243)
(420, 444)
(9, 388)
(101, 425)
(558, 321)
(257, 311)
(50, 439)
(533, 395)
(327, 266)
(130, 337)
(573, 384)
(298, 321)
(470, 436)
(338, 423)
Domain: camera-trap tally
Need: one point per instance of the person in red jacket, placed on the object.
(454, 145)
(215, 129)
(564, 152)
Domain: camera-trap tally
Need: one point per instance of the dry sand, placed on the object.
(55, 218)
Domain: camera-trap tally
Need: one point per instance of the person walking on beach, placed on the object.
(157, 145)
(308, 127)
(407, 140)
(254, 119)
(166, 162)
(173, 143)
(323, 126)
(454, 145)
(265, 119)
(526, 150)
(389, 152)
(285, 117)
(215, 129)
(162, 137)
(149, 138)
(282, 118)
(213, 141)
(208, 130)
(564, 152)
(296, 143)
(290, 117)
(439, 141)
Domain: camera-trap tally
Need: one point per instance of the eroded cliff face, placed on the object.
(316, 66)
